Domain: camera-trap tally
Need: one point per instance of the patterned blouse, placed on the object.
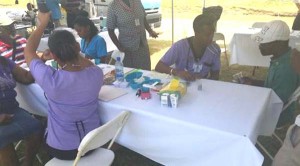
(129, 21)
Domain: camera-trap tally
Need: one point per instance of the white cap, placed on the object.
(5, 20)
(272, 31)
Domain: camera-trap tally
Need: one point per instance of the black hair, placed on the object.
(84, 22)
(203, 20)
(63, 44)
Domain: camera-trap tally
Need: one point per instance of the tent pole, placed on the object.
(172, 22)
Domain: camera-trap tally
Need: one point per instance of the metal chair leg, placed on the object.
(278, 138)
(225, 52)
(253, 71)
(265, 150)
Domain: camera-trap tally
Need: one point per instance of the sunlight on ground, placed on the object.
(236, 15)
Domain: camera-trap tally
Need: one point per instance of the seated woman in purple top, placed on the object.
(71, 91)
(195, 57)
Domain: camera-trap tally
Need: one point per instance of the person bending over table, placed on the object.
(130, 18)
(16, 123)
(72, 91)
(92, 45)
(194, 57)
(273, 40)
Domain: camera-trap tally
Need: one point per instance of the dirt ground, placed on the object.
(233, 18)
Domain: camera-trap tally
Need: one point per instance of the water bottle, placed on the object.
(119, 70)
(97, 61)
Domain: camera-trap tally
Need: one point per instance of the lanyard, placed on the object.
(197, 66)
(130, 9)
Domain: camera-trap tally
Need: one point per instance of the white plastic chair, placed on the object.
(294, 97)
(258, 24)
(93, 140)
(220, 36)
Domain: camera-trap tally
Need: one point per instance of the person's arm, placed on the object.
(163, 68)
(21, 75)
(111, 24)
(296, 60)
(34, 39)
(115, 40)
(254, 82)
(170, 58)
(5, 118)
(149, 29)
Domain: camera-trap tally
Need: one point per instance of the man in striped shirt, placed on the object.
(11, 45)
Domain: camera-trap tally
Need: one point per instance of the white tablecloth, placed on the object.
(216, 126)
(109, 44)
(245, 51)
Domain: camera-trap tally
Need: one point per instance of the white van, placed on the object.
(98, 9)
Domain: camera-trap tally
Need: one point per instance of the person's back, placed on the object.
(73, 102)
(71, 91)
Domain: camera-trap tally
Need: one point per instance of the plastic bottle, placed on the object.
(97, 61)
(119, 70)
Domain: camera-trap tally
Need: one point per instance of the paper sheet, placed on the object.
(108, 93)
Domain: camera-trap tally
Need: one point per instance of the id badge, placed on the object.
(197, 68)
(137, 22)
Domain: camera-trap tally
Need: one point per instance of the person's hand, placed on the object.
(246, 80)
(46, 55)
(5, 118)
(153, 34)
(43, 19)
(185, 75)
